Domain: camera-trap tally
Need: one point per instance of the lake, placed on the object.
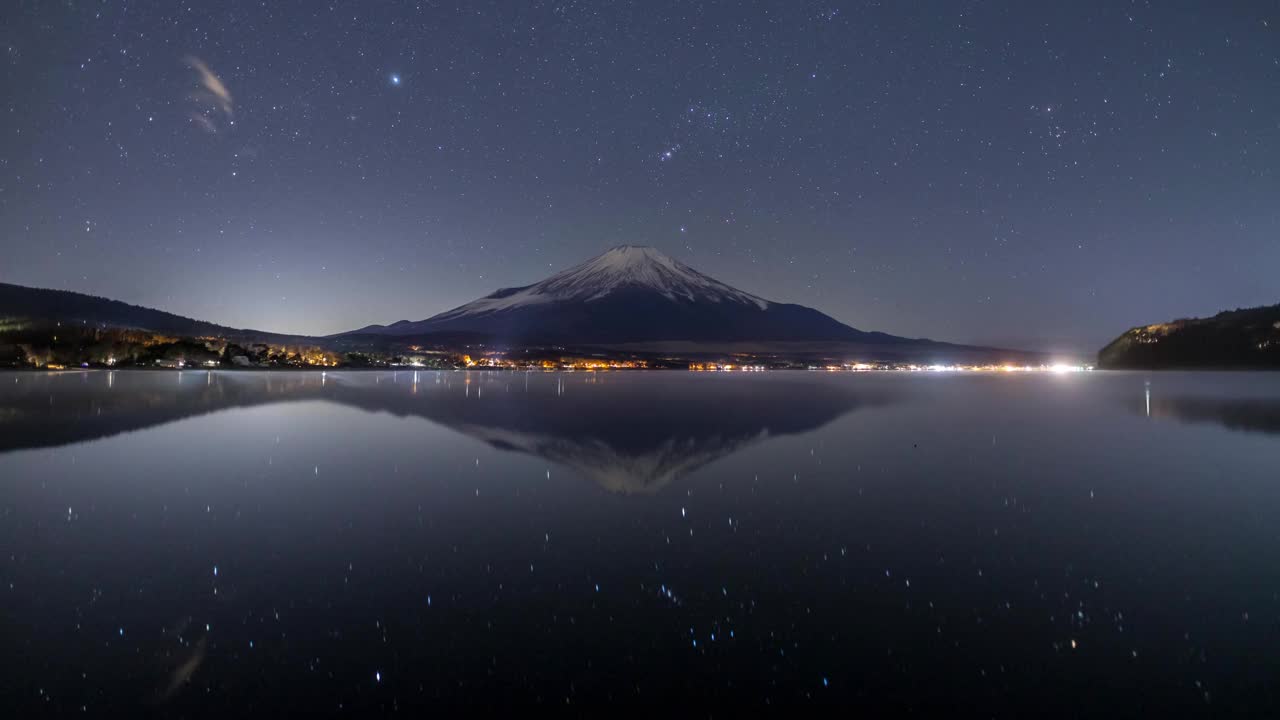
(216, 543)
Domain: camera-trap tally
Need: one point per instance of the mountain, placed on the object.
(633, 295)
(1248, 338)
(631, 300)
(39, 305)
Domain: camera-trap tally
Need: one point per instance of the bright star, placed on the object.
(395, 79)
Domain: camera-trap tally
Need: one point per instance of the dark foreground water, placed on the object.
(215, 544)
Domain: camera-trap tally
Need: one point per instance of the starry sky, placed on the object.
(1027, 174)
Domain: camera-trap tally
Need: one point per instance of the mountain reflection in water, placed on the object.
(379, 540)
(1260, 414)
(626, 436)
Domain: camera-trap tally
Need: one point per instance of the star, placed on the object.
(394, 79)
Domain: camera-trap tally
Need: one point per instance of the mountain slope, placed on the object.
(20, 303)
(1234, 338)
(632, 294)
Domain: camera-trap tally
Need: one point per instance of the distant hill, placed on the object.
(39, 305)
(1248, 338)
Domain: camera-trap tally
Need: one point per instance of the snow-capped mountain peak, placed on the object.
(642, 267)
(627, 267)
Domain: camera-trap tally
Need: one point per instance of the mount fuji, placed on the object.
(632, 295)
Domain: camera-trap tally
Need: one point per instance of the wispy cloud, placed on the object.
(204, 123)
(213, 99)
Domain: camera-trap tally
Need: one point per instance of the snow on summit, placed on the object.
(624, 267)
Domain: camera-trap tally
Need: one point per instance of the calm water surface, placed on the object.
(204, 544)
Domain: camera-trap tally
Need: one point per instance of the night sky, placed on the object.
(1029, 174)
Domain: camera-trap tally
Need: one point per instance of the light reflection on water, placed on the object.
(1099, 541)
